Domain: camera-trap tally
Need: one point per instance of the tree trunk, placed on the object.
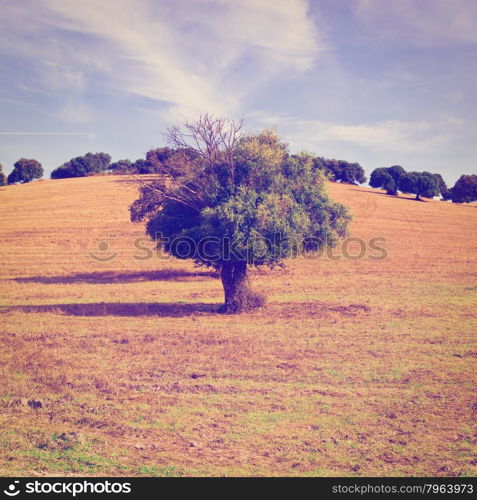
(234, 281)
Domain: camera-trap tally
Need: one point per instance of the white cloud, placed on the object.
(389, 135)
(194, 55)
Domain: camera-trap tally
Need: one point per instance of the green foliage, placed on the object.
(81, 166)
(260, 209)
(465, 189)
(442, 187)
(140, 166)
(121, 167)
(419, 183)
(340, 170)
(25, 170)
(352, 173)
(166, 161)
(156, 159)
(387, 178)
(232, 202)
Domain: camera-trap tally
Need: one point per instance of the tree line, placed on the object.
(423, 184)
(392, 179)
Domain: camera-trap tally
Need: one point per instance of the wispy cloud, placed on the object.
(389, 135)
(423, 22)
(191, 55)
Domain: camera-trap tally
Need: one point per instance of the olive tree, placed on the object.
(232, 201)
(419, 183)
(387, 178)
(465, 189)
(25, 170)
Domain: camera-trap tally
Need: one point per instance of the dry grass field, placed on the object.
(122, 367)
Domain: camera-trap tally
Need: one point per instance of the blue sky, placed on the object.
(373, 81)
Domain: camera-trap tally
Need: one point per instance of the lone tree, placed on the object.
(25, 170)
(465, 189)
(3, 179)
(419, 183)
(387, 178)
(231, 202)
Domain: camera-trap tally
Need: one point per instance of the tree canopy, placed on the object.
(230, 201)
(419, 183)
(121, 167)
(340, 170)
(81, 166)
(25, 170)
(387, 178)
(465, 189)
(442, 187)
(396, 178)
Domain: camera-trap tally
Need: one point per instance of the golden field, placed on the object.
(123, 367)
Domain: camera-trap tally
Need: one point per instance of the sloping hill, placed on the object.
(363, 362)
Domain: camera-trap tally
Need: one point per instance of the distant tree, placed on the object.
(352, 173)
(319, 163)
(387, 178)
(121, 167)
(140, 166)
(381, 178)
(396, 172)
(25, 170)
(62, 172)
(166, 159)
(3, 179)
(340, 170)
(243, 198)
(465, 189)
(81, 166)
(156, 159)
(332, 169)
(442, 187)
(419, 183)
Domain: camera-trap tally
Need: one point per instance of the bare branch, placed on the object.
(206, 144)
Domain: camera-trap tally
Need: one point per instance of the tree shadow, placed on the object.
(388, 195)
(137, 178)
(166, 309)
(127, 181)
(108, 277)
